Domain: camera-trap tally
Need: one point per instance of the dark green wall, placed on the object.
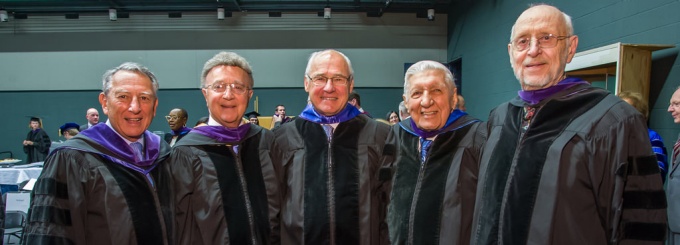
(480, 34)
(59, 107)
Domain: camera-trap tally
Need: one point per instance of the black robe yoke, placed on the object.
(432, 202)
(227, 193)
(583, 173)
(332, 191)
(84, 198)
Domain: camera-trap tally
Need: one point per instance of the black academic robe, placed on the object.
(432, 201)
(83, 198)
(226, 192)
(582, 173)
(333, 191)
(41, 146)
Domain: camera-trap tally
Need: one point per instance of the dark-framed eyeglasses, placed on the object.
(336, 80)
(545, 41)
(222, 87)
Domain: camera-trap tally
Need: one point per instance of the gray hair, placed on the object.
(425, 65)
(131, 67)
(402, 110)
(227, 59)
(314, 55)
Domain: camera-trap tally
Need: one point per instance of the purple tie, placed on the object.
(329, 131)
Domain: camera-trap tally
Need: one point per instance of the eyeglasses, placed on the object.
(174, 118)
(675, 104)
(336, 80)
(222, 87)
(547, 41)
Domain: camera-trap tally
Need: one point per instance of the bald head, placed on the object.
(541, 15)
(92, 116)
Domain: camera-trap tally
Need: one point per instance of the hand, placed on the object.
(276, 118)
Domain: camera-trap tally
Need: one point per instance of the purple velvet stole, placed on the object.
(535, 96)
(107, 138)
(223, 134)
(455, 114)
(181, 131)
(311, 115)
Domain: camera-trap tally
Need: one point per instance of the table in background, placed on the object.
(11, 178)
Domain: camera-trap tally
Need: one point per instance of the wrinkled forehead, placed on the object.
(540, 20)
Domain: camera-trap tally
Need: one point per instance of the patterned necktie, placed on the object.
(137, 150)
(424, 147)
(329, 131)
(528, 115)
(676, 149)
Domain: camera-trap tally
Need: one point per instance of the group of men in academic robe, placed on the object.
(563, 163)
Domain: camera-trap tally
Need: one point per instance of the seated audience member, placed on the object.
(225, 182)
(279, 117)
(403, 111)
(177, 120)
(68, 130)
(109, 184)
(355, 100)
(436, 169)
(252, 117)
(201, 122)
(37, 142)
(392, 118)
(461, 103)
(635, 99)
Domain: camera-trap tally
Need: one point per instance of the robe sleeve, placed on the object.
(58, 201)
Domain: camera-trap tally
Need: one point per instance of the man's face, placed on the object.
(130, 104)
(92, 116)
(254, 120)
(177, 119)
(429, 100)
(674, 106)
(329, 99)
(537, 67)
(228, 107)
(34, 125)
(281, 111)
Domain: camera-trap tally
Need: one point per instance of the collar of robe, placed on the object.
(182, 131)
(534, 97)
(109, 139)
(310, 114)
(223, 134)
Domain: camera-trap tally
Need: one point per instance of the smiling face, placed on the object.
(227, 108)
(329, 99)
(674, 106)
(429, 100)
(537, 67)
(130, 103)
(394, 118)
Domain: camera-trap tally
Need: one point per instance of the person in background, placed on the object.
(392, 118)
(403, 111)
(330, 158)
(37, 142)
(252, 117)
(437, 164)
(108, 184)
(635, 99)
(68, 130)
(673, 180)
(355, 100)
(177, 120)
(279, 117)
(92, 116)
(201, 122)
(225, 183)
(461, 103)
(565, 162)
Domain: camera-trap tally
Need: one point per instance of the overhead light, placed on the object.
(113, 14)
(327, 12)
(430, 14)
(274, 14)
(3, 15)
(220, 13)
(175, 15)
